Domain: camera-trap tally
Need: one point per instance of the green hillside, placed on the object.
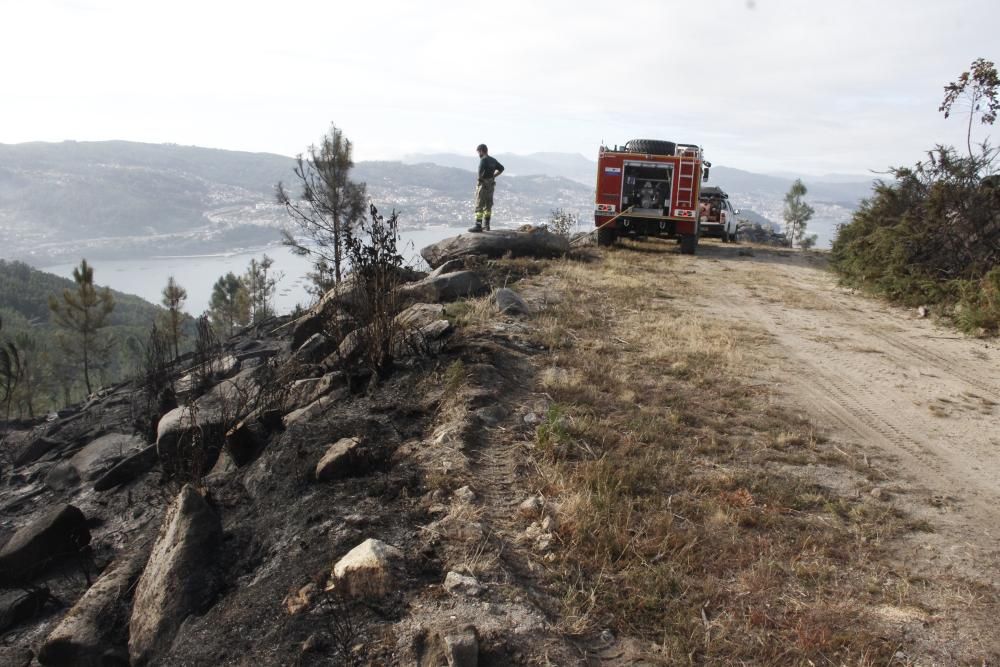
(24, 311)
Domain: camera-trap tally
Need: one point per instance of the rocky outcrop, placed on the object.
(313, 349)
(20, 605)
(305, 391)
(343, 458)
(209, 372)
(85, 636)
(419, 329)
(368, 570)
(312, 411)
(102, 454)
(62, 476)
(36, 449)
(184, 439)
(179, 578)
(454, 647)
(510, 302)
(13, 656)
(419, 315)
(538, 242)
(190, 437)
(444, 287)
(461, 584)
(61, 533)
(246, 440)
(128, 469)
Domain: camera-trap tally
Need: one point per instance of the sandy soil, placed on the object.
(918, 401)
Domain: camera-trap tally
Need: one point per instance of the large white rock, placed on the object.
(368, 569)
(102, 454)
(209, 419)
(312, 411)
(220, 367)
(179, 577)
(536, 242)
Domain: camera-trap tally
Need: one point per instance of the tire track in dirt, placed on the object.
(950, 366)
(865, 422)
(872, 375)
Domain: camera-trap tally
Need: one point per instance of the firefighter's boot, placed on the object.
(478, 227)
(486, 224)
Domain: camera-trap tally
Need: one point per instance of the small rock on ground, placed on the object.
(342, 459)
(368, 569)
(531, 507)
(462, 584)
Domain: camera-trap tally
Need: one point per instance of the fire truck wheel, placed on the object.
(605, 237)
(651, 146)
(689, 243)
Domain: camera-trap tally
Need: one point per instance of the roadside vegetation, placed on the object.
(931, 236)
(683, 515)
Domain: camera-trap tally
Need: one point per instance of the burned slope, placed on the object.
(285, 511)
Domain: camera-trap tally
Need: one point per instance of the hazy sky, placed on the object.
(766, 85)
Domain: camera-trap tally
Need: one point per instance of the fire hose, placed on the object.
(605, 224)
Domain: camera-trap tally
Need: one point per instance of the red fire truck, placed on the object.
(649, 188)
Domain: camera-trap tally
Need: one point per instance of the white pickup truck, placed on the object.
(717, 215)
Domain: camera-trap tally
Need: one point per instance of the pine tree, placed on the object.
(979, 90)
(83, 313)
(797, 215)
(260, 288)
(174, 297)
(330, 202)
(229, 306)
(33, 363)
(10, 371)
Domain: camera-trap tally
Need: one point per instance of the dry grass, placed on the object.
(675, 527)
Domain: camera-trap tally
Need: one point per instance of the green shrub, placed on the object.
(979, 305)
(931, 236)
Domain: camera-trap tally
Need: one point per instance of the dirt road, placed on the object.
(918, 401)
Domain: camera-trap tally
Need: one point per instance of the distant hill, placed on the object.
(572, 166)
(758, 194)
(834, 202)
(116, 199)
(24, 294)
(839, 188)
(107, 200)
(72, 199)
(847, 193)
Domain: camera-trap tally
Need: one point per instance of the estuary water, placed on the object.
(197, 274)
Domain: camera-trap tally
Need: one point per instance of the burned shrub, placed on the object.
(366, 323)
(154, 393)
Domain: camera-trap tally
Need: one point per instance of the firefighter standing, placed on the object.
(489, 169)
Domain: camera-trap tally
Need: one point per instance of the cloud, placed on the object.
(773, 84)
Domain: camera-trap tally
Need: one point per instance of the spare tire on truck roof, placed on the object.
(651, 146)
